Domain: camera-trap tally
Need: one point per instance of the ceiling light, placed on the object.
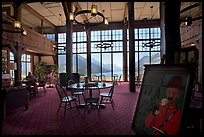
(93, 10)
(151, 44)
(106, 21)
(17, 24)
(15, 29)
(71, 16)
(90, 17)
(104, 45)
(24, 32)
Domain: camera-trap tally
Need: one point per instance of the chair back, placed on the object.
(112, 89)
(95, 78)
(119, 79)
(71, 81)
(115, 77)
(91, 93)
(61, 91)
(75, 77)
(63, 79)
(103, 77)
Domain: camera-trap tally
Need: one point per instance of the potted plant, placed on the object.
(41, 71)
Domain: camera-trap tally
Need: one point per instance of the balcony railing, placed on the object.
(33, 41)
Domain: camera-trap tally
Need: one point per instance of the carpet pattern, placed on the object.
(41, 118)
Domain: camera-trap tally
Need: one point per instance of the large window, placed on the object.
(61, 52)
(12, 61)
(107, 61)
(25, 63)
(79, 53)
(143, 54)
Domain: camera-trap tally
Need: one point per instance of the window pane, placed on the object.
(117, 63)
(95, 64)
(62, 63)
(106, 65)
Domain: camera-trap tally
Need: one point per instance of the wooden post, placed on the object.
(131, 47)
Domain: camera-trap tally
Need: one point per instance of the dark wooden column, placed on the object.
(69, 29)
(170, 24)
(131, 47)
(88, 34)
(17, 10)
(125, 52)
(17, 49)
(56, 39)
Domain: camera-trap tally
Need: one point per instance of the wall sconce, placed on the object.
(54, 47)
(24, 32)
(15, 29)
(188, 21)
(17, 24)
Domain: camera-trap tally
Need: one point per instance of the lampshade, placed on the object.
(93, 10)
(106, 21)
(24, 32)
(71, 16)
(12, 66)
(17, 24)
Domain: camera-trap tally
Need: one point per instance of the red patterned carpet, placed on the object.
(41, 118)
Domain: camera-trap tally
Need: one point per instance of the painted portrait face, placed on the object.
(173, 94)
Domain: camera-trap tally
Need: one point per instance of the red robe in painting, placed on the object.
(171, 126)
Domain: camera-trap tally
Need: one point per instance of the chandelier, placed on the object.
(16, 27)
(89, 18)
(151, 44)
(104, 45)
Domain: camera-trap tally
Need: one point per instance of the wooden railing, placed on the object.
(190, 32)
(33, 41)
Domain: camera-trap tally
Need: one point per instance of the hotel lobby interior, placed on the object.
(139, 62)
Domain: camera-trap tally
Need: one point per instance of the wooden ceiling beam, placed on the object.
(33, 12)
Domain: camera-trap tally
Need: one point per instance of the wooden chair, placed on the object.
(65, 99)
(74, 92)
(91, 98)
(107, 97)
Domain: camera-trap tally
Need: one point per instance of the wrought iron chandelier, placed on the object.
(90, 17)
(151, 44)
(104, 45)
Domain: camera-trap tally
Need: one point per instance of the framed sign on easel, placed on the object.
(163, 100)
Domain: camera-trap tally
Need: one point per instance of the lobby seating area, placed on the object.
(102, 68)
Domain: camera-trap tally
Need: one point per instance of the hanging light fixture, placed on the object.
(151, 44)
(90, 18)
(104, 45)
(106, 21)
(71, 16)
(17, 24)
(16, 27)
(94, 10)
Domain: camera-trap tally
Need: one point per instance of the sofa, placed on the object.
(14, 97)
